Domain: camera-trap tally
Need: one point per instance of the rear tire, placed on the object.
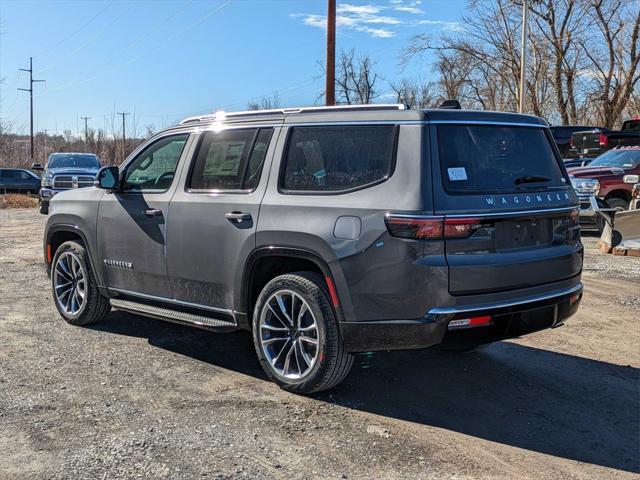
(296, 334)
(74, 288)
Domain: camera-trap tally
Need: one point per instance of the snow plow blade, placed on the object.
(621, 232)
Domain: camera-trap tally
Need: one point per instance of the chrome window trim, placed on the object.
(511, 303)
(172, 300)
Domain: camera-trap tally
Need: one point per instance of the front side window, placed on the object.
(487, 158)
(153, 169)
(230, 160)
(338, 158)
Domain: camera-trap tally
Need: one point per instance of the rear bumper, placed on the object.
(509, 318)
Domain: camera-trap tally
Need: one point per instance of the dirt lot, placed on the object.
(134, 397)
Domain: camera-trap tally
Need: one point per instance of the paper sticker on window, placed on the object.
(457, 173)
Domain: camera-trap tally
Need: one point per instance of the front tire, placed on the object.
(619, 204)
(296, 335)
(44, 208)
(75, 291)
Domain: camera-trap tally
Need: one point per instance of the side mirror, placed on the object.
(108, 178)
(36, 166)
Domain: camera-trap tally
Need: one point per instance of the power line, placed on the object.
(30, 90)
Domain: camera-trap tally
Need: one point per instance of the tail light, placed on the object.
(603, 140)
(431, 228)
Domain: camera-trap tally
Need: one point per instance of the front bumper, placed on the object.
(47, 194)
(509, 319)
(587, 216)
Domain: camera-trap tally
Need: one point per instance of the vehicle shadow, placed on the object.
(557, 404)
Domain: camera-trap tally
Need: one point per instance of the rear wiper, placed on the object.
(531, 179)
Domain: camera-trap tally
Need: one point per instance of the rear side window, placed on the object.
(338, 158)
(487, 158)
(230, 160)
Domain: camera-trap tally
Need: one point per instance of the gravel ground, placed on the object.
(139, 398)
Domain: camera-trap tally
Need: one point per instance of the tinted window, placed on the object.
(67, 160)
(476, 158)
(338, 158)
(619, 158)
(230, 160)
(562, 132)
(153, 169)
(631, 125)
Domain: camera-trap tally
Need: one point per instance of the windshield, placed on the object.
(618, 158)
(73, 160)
(479, 158)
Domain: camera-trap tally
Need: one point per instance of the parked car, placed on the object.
(611, 178)
(595, 142)
(65, 171)
(18, 180)
(562, 136)
(327, 231)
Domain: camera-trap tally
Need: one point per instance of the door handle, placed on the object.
(237, 216)
(153, 212)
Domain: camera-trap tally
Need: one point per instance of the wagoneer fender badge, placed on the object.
(118, 264)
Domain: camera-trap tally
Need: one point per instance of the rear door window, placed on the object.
(488, 158)
(338, 158)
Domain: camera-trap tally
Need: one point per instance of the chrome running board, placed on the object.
(174, 316)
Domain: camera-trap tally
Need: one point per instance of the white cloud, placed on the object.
(445, 25)
(377, 20)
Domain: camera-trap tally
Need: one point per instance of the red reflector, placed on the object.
(574, 299)
(332, 291)
(603, 140)
(480, 320)
(49, 257)
(469, 322)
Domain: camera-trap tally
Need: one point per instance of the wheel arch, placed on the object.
(58, 234)
(619, 193)
(265, 263)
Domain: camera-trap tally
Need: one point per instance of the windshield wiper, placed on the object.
(531, 179)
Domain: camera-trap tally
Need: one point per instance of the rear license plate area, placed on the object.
(514, 234)
(530, 321)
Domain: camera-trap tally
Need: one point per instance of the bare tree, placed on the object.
(415, 93)
(614, 57)
(355, 79)
(266, 102)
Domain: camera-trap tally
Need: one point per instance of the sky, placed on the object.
(164, 60)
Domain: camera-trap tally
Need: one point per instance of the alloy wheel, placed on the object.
(69, 284)
(289, 335)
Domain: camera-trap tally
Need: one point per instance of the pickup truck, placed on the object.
(591, 143)
(610, 177)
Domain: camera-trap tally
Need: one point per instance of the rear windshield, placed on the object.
(488, 158)
(561, 132)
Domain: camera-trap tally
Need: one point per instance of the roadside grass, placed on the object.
(18, 200)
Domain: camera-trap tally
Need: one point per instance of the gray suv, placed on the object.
(327, 231)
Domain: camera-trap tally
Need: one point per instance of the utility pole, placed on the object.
(330, 85)
(523, 56)
(45, 145)
(124, 137)
(86, 130)
(30, 90)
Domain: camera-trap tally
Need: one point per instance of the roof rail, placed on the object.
(222, 115)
